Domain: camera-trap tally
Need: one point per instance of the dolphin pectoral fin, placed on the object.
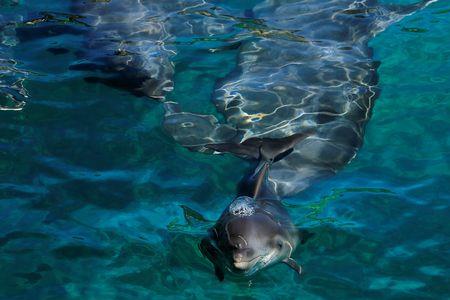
(193, 217)
(293, 265)
(219, 273)
(208, 250)
(212, 255)
(202, 133)
(228, 47)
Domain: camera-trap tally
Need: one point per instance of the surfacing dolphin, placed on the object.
(255, 231)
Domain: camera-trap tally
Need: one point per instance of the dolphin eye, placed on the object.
(235, 246)
(279, 244)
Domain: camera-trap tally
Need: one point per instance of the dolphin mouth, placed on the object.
(247, 266)
(243, 265)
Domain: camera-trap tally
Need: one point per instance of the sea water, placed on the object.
(97, 202)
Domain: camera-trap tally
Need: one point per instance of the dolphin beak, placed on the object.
(242, 265)
(239, 262)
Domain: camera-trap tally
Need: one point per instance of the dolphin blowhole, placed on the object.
(242, 206)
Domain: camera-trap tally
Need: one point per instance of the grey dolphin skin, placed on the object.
(296, 103)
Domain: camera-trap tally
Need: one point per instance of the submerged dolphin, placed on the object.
(131, 43)
(307, 68)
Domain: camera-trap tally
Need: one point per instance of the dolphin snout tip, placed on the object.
(241, 265)
(238, 257)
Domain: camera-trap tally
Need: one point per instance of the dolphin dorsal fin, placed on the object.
(261, 176)
(270, 151)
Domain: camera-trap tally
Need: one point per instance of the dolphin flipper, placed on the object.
(195, 131)
(293, 265)
(211, 254)
(219, 273)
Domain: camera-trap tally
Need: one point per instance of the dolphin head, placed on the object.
(253, 242)
(249, 236)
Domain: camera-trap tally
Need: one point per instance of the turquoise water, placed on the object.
(97, 202)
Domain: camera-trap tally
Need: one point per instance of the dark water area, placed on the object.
(97, 201)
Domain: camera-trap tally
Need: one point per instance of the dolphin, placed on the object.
(130, 44)
(253, 232)
(298, 101)
(308, 67)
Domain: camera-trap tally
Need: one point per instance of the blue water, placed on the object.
(98, 202)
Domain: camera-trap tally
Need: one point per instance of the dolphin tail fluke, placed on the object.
(267, 151)
(212, 255)
(264, 149)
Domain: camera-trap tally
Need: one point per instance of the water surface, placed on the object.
(97, 202)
